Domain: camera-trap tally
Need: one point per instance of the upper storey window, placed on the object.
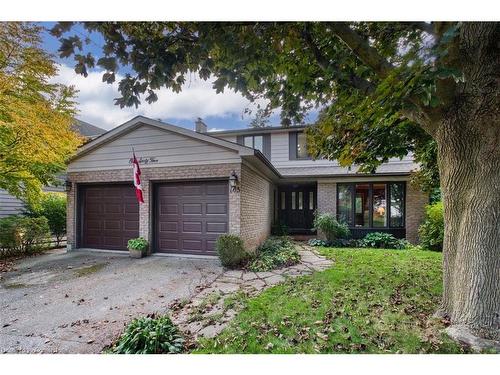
(254, 141)
(298, 146)
(261, 142)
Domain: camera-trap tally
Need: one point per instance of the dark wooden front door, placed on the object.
(190, 216)
(296, 206)
(110, 216)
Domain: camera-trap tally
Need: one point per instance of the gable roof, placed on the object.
(137, 121)
(86, 129)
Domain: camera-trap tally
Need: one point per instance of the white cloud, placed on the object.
(197, 99)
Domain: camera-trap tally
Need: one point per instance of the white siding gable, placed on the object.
(168, 148)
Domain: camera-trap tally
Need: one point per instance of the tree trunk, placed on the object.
(469, 162)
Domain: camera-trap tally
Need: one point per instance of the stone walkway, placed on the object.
(215, 304)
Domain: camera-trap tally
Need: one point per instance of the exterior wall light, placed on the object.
(233, 182)
(67, 185)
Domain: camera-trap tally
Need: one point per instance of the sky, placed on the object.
(197, 99)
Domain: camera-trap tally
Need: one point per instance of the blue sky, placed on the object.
(197, 99)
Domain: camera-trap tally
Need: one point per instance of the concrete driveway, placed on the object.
(79, 302)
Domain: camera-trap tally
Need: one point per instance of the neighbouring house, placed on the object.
(198, 185)
(10, 205)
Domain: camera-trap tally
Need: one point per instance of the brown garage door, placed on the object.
(190, 216)
(110, 216)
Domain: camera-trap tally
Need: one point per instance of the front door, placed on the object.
(296, 206)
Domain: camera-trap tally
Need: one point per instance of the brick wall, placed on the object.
(148, 176)
(416, 201)
(327, 200)
(256, 207)
(327, 197)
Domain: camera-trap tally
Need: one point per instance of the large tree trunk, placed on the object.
(469, 162)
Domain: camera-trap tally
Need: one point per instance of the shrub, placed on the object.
(275, 252)
(23, 235)
(382, 240)
(139, 244)
(53, 207)
(279, 229)
(431, 232)
(332, 229)
(231, 251)
(340, 242)
(317, 242)
(150, 335)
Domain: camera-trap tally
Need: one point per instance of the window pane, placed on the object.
(258, 145)
(301, 205)
(362, 212)
(248, 141)
(379, 206)
(345, 203)
(301, 146)
(311, 200)
(283, 201)
(397, 205)
(293, 200)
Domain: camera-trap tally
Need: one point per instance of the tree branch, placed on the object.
(326, 64)
(362, 49)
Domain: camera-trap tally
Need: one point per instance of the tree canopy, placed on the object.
(35, 115)
(388, 87)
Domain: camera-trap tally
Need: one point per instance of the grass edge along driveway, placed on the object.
(370, 301)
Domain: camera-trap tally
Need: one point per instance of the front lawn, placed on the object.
(370, 301)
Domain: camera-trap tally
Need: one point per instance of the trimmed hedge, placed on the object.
(231, 251)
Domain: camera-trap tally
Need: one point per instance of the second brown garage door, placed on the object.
(110, 216)
(190, 216)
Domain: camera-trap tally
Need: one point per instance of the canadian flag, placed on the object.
(137, 180)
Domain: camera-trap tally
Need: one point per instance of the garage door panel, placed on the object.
(112, 225)
(192, 208)
(110, 216)
(192, 245)
(131, 225)
(218, 228)
(131, 208)
(166, 209)
(217, 189)
(169, 227)
(192, 226)
(210, 246)
(169, 245)
(216, 208)
(201, 216)
(192, 190)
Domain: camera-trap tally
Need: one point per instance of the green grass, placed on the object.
(370, 301)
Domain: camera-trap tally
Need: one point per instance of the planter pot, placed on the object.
(136, 253)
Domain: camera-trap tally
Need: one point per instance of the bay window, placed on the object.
(371, 205)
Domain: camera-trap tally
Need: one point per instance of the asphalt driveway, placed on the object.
(79, 302)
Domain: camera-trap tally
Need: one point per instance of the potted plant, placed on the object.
(137, 247)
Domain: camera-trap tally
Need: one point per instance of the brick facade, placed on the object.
(251, 209)
(416, 201)
(257, 196)
(148, 176)
(327, 197)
